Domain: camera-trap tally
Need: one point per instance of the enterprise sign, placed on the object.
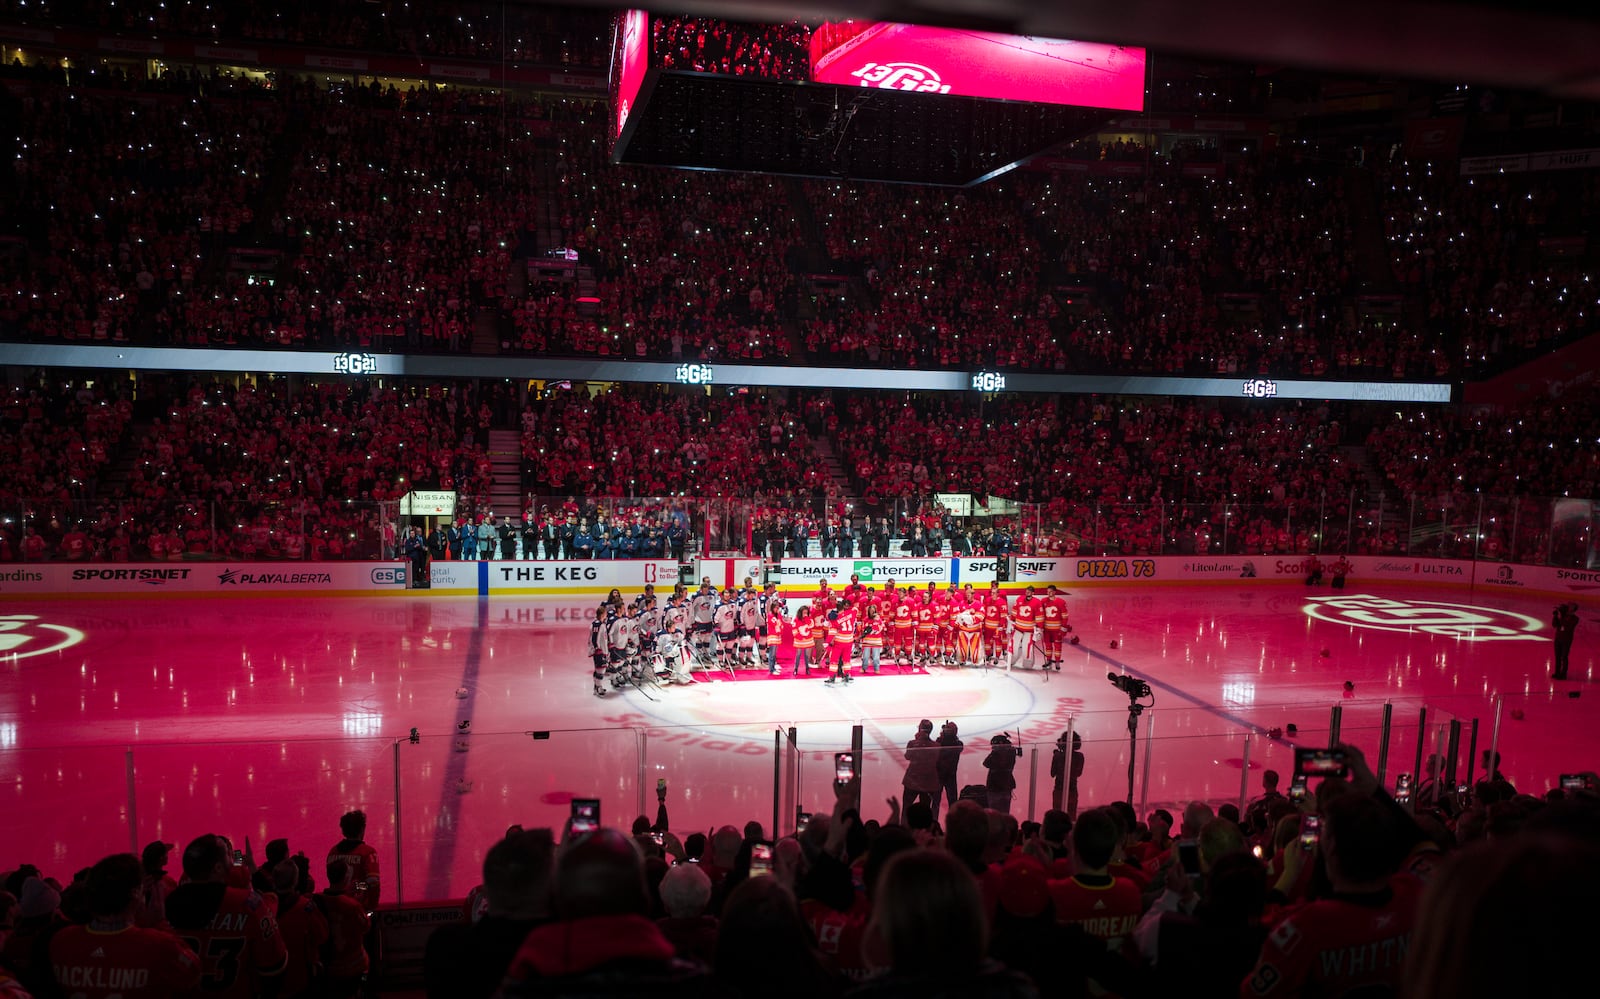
(669, 373)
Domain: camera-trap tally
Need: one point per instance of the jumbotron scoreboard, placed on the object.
(865, 100)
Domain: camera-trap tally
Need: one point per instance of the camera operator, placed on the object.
(1000, 763)
(1565, 622)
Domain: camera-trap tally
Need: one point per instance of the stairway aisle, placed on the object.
(505, 461)
(1373, 264)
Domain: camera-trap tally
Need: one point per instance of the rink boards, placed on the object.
(581, 578)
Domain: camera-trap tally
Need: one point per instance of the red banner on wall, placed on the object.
(1434, 138)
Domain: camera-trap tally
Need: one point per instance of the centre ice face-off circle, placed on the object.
(1460, 621)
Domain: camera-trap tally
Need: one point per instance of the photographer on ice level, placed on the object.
(1565, 622)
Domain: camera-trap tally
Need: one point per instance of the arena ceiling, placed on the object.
(1551, 46)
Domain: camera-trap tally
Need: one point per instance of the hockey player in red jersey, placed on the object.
(927, 637)
(841, 641)
(996, 612)
(904, 628)
(1053, 626)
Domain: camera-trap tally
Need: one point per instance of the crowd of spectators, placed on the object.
(1346, 890)
(713, 45)
(1496, 482)
(1499, 265)
(396, 231)
(518, 33)
(950, 279)
(647, 441)
(270, 469)
(364, 234)
(129, 926)
(686, 265)
(55, 446)
(124, 201)
(1136, 476)
(245, 469)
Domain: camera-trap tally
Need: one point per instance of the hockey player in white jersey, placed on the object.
(725, 616)
(751, 625)
(702, 606)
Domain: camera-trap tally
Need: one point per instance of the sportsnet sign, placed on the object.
(1044, 571)
(69, 579)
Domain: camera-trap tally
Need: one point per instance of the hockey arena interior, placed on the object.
(507, 499)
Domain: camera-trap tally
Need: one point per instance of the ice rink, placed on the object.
(128, 720)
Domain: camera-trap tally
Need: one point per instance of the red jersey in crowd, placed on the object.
(347, 929)
(305, 930)
(1339, 946)
(234, 931)
(1105, 907)
(129, 961)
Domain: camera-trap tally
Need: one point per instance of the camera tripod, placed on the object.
(1136, 689)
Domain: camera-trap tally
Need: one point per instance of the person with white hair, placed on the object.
(685, 893)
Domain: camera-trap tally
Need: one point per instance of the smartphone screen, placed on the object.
(238, 858)
(844, 767)
(1310, 831)
(585, 815)
(1572, 782)
(1297, 790)
(804, 820)
(1320, 762)
(657, 838)
(760, 860)
(1402, 788)
(1189, 857)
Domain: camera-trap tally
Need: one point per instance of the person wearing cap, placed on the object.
(157, 884)
(921, 781)
(262, 879)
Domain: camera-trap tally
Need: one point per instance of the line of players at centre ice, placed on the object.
(641, 641)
